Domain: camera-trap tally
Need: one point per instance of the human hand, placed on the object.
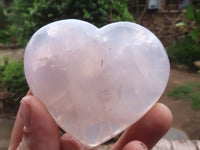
(35, 129)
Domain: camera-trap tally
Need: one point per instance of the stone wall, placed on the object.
(162, 22)
(163, 25)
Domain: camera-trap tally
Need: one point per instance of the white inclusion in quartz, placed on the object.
(96, 82)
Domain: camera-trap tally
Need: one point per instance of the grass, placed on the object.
(189, 91)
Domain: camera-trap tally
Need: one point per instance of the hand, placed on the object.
(35, 129)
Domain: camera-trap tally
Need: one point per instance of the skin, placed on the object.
(35, 129)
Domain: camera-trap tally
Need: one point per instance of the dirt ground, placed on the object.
(185, 118)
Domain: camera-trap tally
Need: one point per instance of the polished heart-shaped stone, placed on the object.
(96, 82)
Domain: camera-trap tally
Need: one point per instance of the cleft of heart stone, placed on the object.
(96, 82)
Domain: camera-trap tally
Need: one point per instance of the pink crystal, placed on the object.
(96, 82)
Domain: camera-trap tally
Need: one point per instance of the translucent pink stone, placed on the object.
(96, 82)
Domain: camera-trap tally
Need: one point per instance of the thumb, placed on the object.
(39, 129)
(135, 145)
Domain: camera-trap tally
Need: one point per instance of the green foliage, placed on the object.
(195, 34)
(13, 78)
(31, 15)
(2, 16)
(182, 92)
(4, 34)
(3, 64)
(189, 91)
(193, 14)
(195, 100)
(190, 12)
(187, 50)
(181, 24)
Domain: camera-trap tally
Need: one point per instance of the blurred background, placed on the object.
(175, 22)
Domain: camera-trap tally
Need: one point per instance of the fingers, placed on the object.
(34, 127)
(70, 143)
(148, 129)
(29, 93)
(135, 145)
(17, 132)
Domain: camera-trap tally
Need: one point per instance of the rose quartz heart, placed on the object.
(96, 82)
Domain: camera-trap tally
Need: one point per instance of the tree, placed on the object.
(34, 14)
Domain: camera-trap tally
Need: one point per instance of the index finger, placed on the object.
(17, 131)
(148, 129)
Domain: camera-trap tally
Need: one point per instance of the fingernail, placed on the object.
(142, 146)
(71, 144)
(136, 145)
(25, 114)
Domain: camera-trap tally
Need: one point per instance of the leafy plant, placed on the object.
(13, 78)
(195, 100)
(31, 15)
(189, 91)
(3, 63)
(193, 14)
(187, 50)
(182, 92)
(4, 34)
